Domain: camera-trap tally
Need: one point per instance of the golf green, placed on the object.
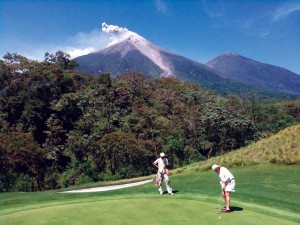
(166, 210)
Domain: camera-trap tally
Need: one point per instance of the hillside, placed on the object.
(281, 148)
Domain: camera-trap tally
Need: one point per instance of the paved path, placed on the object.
(108, 188)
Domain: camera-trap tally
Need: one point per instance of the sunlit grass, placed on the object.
(281, 148)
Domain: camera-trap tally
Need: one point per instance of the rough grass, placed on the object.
(281, 148)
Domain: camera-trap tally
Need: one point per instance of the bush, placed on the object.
(83, 179)
(25, 183)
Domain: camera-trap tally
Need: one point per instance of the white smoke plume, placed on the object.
(116, 33)
(112, 28)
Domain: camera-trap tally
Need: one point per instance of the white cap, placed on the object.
(214, 167)
(162, 154)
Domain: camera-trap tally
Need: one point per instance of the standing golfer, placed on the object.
(162, 174)
(227, 184)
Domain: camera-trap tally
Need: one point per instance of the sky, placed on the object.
(267, 31)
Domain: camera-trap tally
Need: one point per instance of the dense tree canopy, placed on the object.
(59, 127)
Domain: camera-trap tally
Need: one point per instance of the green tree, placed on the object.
(61, 59)
(125, 155)
(24, 156)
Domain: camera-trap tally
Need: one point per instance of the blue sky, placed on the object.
(266, 31)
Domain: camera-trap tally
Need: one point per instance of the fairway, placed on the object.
(195, 202)
(165, 210)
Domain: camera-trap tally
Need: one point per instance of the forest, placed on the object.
(60, 127)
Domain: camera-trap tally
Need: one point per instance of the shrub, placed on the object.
(25, 183)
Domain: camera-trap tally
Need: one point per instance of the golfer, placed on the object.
(162, 164)
(227, 183)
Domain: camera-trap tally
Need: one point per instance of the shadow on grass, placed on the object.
(236, 209)
(174, 192)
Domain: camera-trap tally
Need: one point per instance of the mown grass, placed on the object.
(262, 188)
(135, 211)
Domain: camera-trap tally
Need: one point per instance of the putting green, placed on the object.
(166, 210)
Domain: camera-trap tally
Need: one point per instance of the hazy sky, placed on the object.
(266, 31)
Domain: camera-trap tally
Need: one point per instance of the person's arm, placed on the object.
(167, 166)
(222, 181)
(223, 186)
(154, 164)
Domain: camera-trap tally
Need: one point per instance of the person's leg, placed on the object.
(168, 184)
(230, 187)
(227, 200)
(159, 183)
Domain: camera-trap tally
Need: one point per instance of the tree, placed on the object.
(125, 155)
(23, 156)
(61, 59)
(225, 130)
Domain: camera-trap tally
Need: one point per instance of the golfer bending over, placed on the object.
(227, 184)
(162, 174)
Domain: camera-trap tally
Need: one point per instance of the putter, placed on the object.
(219, 208)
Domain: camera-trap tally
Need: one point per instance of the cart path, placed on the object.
(108, 188)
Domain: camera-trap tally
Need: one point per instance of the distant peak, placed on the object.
(230, 54)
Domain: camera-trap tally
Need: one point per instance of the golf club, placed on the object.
(219, 207)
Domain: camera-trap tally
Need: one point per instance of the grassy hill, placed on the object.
(281, 148)
(267, 192)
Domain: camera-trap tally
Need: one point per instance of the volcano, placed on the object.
(131, 52)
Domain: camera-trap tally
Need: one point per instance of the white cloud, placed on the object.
(80, 44)
(262, 25)
(85, 43)
(258, 26)
(285, 11)
(75, 52)
(160, 6)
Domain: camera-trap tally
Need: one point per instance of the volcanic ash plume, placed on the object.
(117, 34)
(113, 29)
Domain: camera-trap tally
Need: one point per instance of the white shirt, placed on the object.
(161, 163)
(225, 175)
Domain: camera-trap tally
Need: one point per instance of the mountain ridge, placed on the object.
(248, 71)
(132, 52)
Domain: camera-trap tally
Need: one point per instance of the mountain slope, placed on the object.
(247, 71)
(114, 63)
(126, 56)
(131, 52)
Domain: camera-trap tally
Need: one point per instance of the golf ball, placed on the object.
(219, 217)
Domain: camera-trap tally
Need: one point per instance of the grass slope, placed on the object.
(281, 148)
(267, 193)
